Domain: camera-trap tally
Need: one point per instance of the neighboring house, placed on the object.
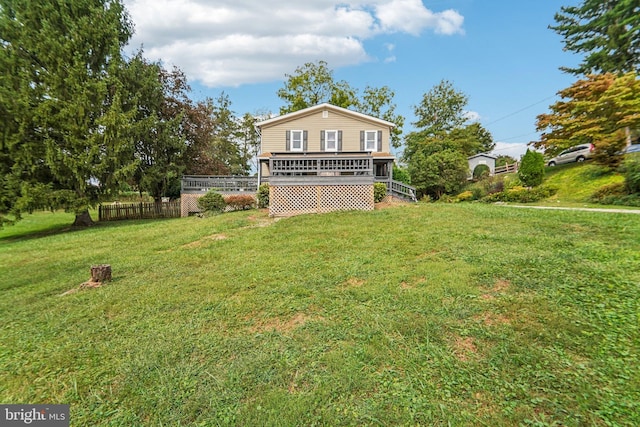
(325, 158)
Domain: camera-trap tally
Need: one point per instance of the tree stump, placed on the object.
(101, 273)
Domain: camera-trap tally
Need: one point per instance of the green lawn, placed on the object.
(424, 314)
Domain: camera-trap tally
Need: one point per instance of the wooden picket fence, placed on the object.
(120, 211)
(508, 168)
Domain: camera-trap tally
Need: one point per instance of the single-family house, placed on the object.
(325, 158)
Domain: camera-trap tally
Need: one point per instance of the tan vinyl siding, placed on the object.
(274, 136)
(264, 168)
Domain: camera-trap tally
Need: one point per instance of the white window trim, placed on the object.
(326, 140)
(301, 140)
(375, 140)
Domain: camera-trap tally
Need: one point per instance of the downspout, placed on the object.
(259, 161)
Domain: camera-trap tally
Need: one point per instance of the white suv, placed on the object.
(578, 153)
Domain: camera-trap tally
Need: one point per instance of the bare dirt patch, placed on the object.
(429, 254)
(492, 319)
(204, 240)
(282, 325)
(464, 348)
(405, 285)
(262, 221)
(500, 286)
(353, 282)
(385, 205)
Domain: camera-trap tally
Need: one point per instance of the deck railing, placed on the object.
(361, 164)
(400, 189)
(223, 184)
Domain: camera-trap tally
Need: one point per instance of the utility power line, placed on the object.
(520, 110)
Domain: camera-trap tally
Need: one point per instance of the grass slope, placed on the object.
(426, 314)
(576, 182)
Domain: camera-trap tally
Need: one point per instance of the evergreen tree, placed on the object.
(606, 31)
(531, 171)
(65, 124)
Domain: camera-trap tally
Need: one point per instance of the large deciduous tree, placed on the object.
(607, 32)
(313, 84)
(441, 110)
(218, 141)
(598, 109)
(159, 100)
(437, 168)
(436, 152)
(65, 127)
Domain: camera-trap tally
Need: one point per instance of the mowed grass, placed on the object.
(576, 183)
(422, 314)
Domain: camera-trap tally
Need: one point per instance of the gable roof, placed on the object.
(322, 107)
(490, 156)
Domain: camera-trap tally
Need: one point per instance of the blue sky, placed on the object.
(500, 53)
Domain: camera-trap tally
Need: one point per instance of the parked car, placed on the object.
(577, 153)
(635, 148)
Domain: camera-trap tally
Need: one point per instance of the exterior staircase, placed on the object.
(402, 191)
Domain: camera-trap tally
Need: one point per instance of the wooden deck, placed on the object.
(196, 184)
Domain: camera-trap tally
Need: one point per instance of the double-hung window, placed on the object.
(297, 140)
(371, 140)
(331, 140)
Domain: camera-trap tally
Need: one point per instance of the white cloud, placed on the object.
(472, 116)
(515, 150)
(232, 42)
(410, 16)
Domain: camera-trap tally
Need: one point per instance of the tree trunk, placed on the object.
(101, 273)
(83, 220)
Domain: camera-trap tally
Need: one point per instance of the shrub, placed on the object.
(508, 181)
(401, 174)
(522, 194)
(465, 196)
(240, 202)
(263, 196)
(615, 189)
(212, 202)
(615, 194)
(631, 169)
(478, 192)
(481, 171)
(446, 198)
(531, 171)
(379, 191)
(426, 199)
(624, 200)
